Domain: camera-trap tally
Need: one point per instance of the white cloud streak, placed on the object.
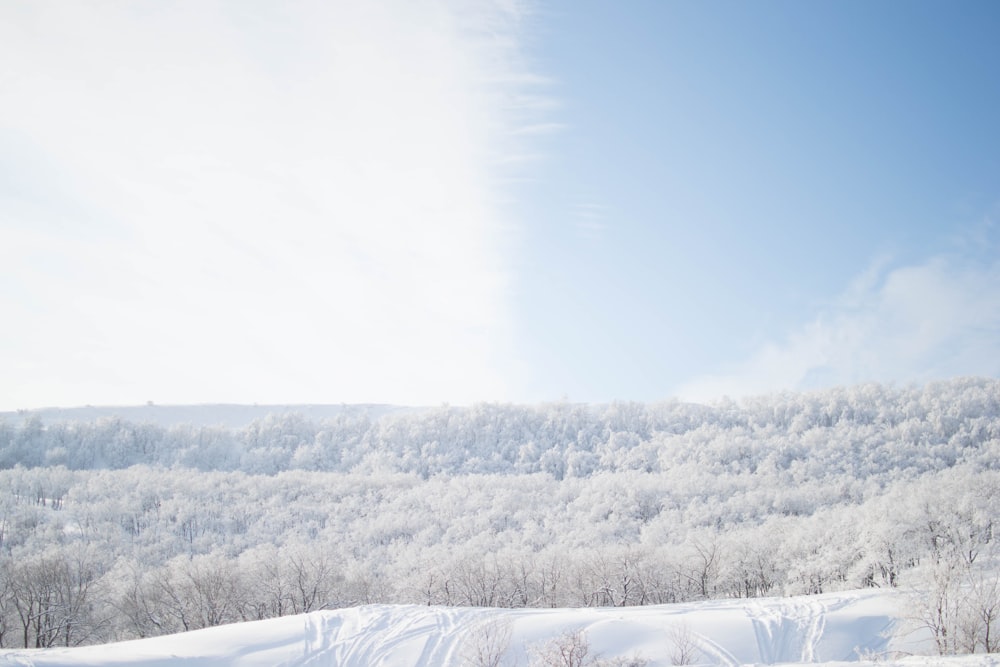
(590, 221)
(936, 319)
(241, 201)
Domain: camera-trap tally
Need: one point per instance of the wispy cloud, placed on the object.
(934, 319)
(242, 201)
(589, 219)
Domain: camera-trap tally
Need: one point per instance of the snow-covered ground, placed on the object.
(858, 627)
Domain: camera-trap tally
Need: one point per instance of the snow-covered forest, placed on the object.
(113, 530)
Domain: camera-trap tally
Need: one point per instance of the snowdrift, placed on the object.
(857, 627)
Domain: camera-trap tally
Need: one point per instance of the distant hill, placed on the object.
(217, 414)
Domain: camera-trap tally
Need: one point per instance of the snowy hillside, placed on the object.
(113, 530)
(860, 627)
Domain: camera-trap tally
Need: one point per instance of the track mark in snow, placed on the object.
(440, 644)
(715, 650)
(379, 635)
(786, 631)
(417, 627)
(763, 621)
(382, 635)
(319, 633)
(815, 623)
(326, 634)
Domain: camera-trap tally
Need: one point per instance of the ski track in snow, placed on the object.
(729, 633)
(440, 650)
(788, 630)
(385, 636)
(814, 631)
(320, 628)
(715, 650)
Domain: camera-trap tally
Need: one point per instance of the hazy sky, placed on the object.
(426, 201)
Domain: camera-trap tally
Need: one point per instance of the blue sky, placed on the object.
(435, 201)
(746, 165)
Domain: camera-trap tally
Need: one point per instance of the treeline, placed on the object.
(787, 495)
(860, 431)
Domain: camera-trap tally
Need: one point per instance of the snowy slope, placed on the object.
(833, 629)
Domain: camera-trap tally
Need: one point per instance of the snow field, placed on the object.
(856, 627)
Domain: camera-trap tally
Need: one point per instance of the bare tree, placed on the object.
(569, 649)
(136, 602)
(488, 643)
(934, 607)
(314, 579)
(634, 660)
(6, 602)
(978, 612)
(572, 649)
(200, 592)
(685, 646)
(985, 601)
(51, 597)
(704, 566)
(958, 601)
